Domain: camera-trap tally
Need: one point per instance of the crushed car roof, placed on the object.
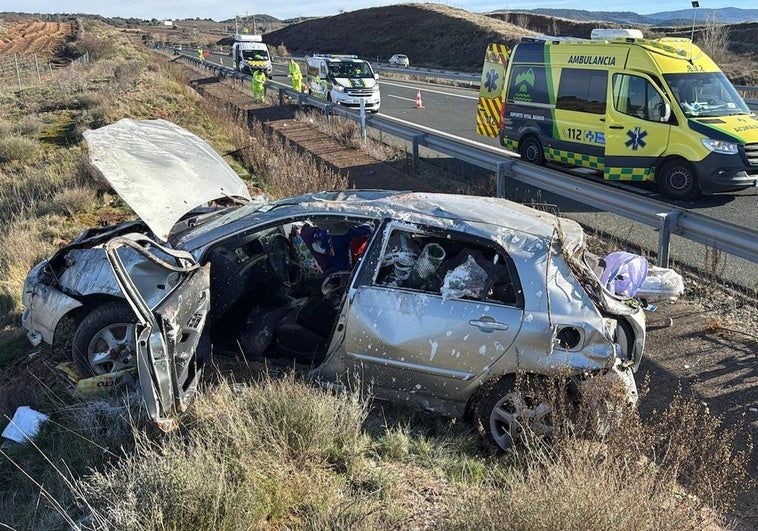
(161, 170)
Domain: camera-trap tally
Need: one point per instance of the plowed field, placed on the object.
(42, 38)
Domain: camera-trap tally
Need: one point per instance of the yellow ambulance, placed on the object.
(634, 108)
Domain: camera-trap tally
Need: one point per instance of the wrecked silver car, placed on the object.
(439, 300)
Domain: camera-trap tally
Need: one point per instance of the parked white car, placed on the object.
(399, 59)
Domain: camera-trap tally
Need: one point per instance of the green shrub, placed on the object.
(18, 149)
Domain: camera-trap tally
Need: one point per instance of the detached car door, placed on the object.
(171, 347)
(426, 340)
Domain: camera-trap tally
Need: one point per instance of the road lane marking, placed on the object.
(423, 89)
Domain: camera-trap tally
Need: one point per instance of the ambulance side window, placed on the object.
(528, 84)
(582, 90)
(636, 96)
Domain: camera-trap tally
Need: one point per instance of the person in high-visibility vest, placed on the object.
(296, 75)
(259, 89)
(200, 53)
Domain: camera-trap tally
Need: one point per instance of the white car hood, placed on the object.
(161, 170)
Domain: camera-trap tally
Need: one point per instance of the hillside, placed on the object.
(442, 37)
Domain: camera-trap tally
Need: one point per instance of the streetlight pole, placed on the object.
(695, 5)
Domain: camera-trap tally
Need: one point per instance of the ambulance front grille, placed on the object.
(359, 92)
(751, 152)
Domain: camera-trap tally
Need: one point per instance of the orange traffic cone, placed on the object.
(419, 105)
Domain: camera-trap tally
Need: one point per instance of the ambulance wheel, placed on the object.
(104, 341)
(531, 151)
(677, 180)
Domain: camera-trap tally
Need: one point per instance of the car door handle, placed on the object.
(488, 324)
(615, 126)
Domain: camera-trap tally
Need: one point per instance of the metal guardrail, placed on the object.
(666, 218)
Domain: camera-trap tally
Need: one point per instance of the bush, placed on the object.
(29, 125)
(18, 148)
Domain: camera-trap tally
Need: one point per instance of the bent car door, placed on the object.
(429, 312)
(168, 335)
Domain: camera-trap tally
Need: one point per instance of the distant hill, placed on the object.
(623, 18)
(726, 15)
(441, 36)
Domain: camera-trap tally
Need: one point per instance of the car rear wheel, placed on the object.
(104, 341)
(677, 180)
(531, 151)
(515, 409)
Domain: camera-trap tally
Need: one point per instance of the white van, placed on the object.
(343, 79)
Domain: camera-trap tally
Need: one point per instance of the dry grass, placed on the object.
(279, 453)
(18, 149)
(283, 170)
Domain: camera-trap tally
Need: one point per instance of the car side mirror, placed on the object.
(376, 76)
(664, 110)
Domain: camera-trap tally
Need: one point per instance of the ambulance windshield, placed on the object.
(351, 69)
(255, 55)
(705, 94)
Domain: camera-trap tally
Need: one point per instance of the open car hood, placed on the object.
(161, 170)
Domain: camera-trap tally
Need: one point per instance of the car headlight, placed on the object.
(720, 146)
(338, 88)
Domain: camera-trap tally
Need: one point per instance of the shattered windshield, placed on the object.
(705, 94)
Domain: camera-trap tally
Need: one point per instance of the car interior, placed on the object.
(276, 293)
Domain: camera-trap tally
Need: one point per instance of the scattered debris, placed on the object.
(24, 425)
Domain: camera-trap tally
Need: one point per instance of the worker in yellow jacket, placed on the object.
(296, 75)
(259, 88)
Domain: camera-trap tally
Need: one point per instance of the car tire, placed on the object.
(530, 149)
(104, 340)
(677, 179)
(513, 408)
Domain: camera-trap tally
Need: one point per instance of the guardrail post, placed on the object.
(328, 108)
(416, 140)
(300, 100)
(363, 120)
(503, 171)
(281, 95)
(666, 223)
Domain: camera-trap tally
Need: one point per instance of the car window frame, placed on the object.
(369, 269)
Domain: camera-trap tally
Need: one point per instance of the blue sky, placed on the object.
(283, 9)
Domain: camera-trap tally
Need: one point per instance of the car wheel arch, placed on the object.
(75, 315)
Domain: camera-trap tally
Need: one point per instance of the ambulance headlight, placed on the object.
(720, 146)
(338, 87)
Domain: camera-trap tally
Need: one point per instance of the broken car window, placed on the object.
(446, 266)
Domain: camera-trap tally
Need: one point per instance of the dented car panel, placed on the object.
(424, 298)
(167, 336)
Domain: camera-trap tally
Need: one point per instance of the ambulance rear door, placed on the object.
(489, 110)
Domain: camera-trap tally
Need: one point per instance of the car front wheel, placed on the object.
(104, 341)
(677, 180)
(531, 151)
